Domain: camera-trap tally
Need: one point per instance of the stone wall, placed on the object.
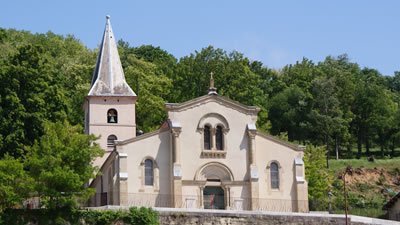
(175, 216)
(170, 216)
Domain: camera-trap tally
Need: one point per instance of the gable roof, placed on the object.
(281, 142)
(108, 76)
(141, 137)
(251, 110)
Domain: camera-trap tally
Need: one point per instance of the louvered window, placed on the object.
(111, 142)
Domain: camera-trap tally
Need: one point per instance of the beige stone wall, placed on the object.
(153, 146)
(96, 120)
(107, 182)
(191, 140)
(268, 152)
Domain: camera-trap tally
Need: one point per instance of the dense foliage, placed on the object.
(60, 164)
(54, 170)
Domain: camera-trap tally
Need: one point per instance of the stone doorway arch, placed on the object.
(214, 171)
(214, 193)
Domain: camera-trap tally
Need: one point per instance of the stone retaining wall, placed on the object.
(172, 216)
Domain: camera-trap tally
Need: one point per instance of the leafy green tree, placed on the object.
(325, 116)
(60, 163)
(29, 96)
(343, 72)
(152, 89)
(373, 110)
(288, 112)
(15, 184)
(316, 176)
(300, 74)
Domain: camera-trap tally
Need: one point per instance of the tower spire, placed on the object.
(108, 76)
(212, 90)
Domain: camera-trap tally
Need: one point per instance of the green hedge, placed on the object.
(72, 216)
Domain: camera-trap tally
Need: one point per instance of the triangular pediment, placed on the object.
(177, 107)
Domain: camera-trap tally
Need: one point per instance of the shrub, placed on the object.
(73, 216)
(141, 216)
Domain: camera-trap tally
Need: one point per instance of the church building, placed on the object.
(207, 155)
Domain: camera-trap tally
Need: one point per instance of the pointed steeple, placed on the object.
(212, 90)
(108, 76)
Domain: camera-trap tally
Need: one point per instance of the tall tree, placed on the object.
(372, 108)
(325, 116)
(343, 72)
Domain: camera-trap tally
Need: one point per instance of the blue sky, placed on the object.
(274, 32)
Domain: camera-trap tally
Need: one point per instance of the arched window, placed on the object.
(274, 176)
(148, 172)
(111, 141)
(207, 137)
(219, 138)
(112, 116)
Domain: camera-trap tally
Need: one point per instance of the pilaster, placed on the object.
(254, 185)
(301, 186)
(177, 170)
(123, 179)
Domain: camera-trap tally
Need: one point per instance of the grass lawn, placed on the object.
(357, 163)
(367, 212)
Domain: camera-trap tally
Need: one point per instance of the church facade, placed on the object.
(207, 155)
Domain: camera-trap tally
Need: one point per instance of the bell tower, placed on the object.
(110, 103)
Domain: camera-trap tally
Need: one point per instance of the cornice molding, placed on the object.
(281, 142)
(176, 107)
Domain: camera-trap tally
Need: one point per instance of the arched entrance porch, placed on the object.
(214, 193)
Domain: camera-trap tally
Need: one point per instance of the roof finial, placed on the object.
(108, 17)
(212, 90)
(211, 80)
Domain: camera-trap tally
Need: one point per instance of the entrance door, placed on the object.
(214, 198)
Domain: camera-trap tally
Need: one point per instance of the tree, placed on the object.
(317, 178)
(152, 88)
(373, 110)
(60, 163)
(15, 184)
(300, 74)
(325, 116)
(344, 73)
(29, 96)
(288, 112)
